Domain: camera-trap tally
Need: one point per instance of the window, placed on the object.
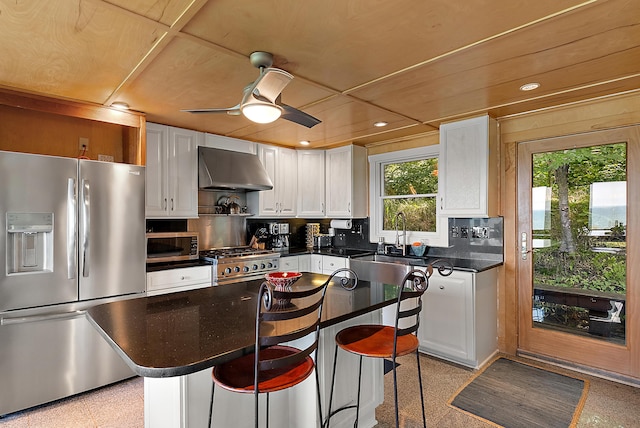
(405, 181)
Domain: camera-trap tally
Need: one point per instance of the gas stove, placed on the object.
(237, 264)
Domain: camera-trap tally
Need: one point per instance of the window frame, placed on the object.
(376, 197)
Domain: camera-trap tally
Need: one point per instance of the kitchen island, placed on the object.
(173, 341)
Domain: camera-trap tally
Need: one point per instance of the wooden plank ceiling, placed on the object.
(413, 64)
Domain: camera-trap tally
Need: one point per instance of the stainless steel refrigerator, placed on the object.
(72, 236)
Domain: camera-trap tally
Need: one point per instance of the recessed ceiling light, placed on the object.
(380, 124)
(120, 105)
(529, 86)
(304, 143)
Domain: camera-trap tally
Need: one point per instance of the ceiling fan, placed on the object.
(261, 102)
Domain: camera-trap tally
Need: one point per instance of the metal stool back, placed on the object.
(380, 341)
(281, 316)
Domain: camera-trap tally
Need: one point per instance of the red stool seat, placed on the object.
(237, 375)
(371, 340)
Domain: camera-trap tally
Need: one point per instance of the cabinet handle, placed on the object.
(349, 207)
(322, 207)
(171, 204)
(441, 287)
(165, 204)
(441, 203)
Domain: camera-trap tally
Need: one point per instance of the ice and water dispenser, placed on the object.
(29, 242)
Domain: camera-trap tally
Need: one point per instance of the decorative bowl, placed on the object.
(282, 281)
(418, 250)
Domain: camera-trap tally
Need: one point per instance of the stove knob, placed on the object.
(254, 267)
(227, 271)
(262, 266)
(246, 268)
(270, 265)
(236, 269)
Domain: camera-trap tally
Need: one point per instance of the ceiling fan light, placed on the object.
(261, 113)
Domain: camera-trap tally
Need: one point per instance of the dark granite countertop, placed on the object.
(328, 251)
(458, 263)
(180, 333)
(467, 265)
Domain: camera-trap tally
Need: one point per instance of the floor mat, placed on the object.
(511, 394)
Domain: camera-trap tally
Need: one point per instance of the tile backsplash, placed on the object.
(474, 238)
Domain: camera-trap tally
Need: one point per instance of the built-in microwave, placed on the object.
(172, 246)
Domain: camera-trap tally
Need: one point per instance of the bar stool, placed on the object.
(272, 366)
(379, 341)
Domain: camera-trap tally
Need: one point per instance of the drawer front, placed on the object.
(331, 263)
(289, 264)
(172, 278)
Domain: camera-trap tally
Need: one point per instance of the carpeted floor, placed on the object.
(516, 395)
(608, 404)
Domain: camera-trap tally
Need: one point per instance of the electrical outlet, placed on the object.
(105, 158)
(479, 232)
(83, 143)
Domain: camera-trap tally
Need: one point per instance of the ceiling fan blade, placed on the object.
(231, 110)
(271, 83)
(298, 116)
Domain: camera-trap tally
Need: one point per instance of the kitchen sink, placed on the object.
(380, 268)
(392, 269)
(347, 252)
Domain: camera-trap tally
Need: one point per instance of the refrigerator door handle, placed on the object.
(72, 230)
(86, 225)
(41, 318)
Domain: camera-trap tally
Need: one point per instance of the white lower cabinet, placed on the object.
(327, 264)
(459, 317)
(289, 264)
(304, 263)
(181, 279)
(183, 401)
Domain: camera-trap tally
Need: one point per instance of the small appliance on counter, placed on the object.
(278, 236)
(322, 240)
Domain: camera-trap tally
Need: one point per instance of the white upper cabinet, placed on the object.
(171, 172)
(281, 165)
(466, 177)
(311, 182)
(228, 143)
(346, 181)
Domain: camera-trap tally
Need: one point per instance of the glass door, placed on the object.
(577, 216)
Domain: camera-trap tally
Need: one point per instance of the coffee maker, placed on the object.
(278, 236)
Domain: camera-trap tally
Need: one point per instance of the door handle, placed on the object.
(72, 229)
(86, 232)
(41, 318)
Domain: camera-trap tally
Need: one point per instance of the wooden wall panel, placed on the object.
(603, 113)
(403, 144)
(31, 131)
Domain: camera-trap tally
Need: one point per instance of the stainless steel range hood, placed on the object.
(228, 170)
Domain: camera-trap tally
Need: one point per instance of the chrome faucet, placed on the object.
(404, 232)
